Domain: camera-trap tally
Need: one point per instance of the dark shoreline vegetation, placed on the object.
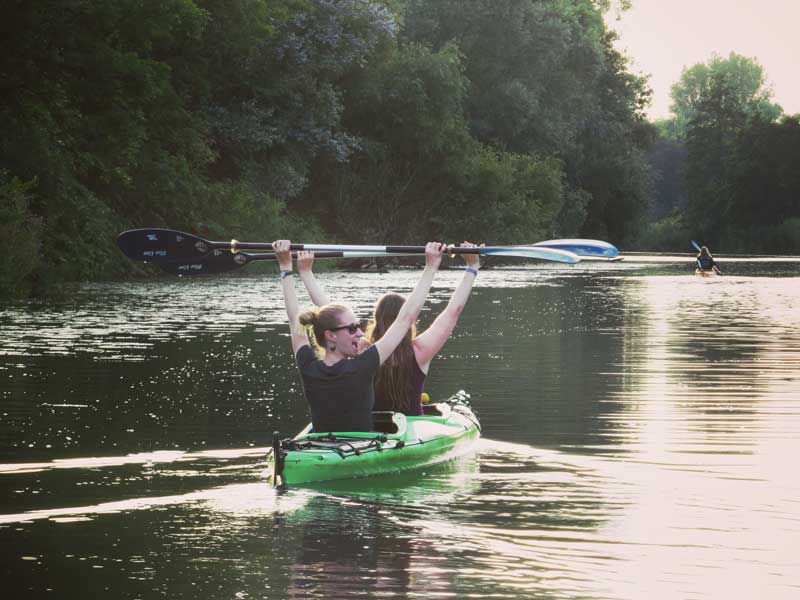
(368, 121)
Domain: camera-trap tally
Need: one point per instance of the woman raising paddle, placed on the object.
(400, 379)
(338, 387)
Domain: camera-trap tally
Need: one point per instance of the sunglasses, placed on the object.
(351, 328)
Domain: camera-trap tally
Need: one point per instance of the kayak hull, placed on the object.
(701, 273)
(447, 431)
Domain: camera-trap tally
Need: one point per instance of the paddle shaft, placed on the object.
(378, 250)
(218, 261)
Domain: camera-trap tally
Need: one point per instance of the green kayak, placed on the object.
(446, 431)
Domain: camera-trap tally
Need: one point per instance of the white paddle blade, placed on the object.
(551, 254)
(582, 247)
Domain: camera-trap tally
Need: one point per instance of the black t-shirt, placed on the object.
(705, 262)
(340, 396)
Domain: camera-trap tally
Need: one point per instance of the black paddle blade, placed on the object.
(217, 261)
(162, 245)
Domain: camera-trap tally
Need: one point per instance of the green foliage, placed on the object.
(90, 113)
(573, 213)
(667, 130)
(761, 212)
(669, 234)
(733, 87)
(545, 79)
(783, 238)
(742, 189)
(532, 65)
(503, 198)
(419, 174)
(243, 208)
(766, 180)
(355, 120)
(667, 159)
(20, 235)
(406, 113)
(728, 102)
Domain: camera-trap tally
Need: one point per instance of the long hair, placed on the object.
(322, 319)
(393, 378)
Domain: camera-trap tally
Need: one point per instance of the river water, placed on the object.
(639, 430)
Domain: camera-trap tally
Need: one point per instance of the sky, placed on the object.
(664, 36)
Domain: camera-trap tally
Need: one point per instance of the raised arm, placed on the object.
(284, 256)
(413, 304)
(305, 260)
(428, 343)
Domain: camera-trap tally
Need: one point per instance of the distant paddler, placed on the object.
(706, 265)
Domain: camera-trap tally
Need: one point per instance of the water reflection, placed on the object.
(648, 422)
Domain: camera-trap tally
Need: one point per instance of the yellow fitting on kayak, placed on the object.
(234, 246)
(424, 398)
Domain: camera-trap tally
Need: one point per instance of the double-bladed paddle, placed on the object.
(183, 253)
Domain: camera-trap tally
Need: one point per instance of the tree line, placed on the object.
(726, 164)
(361, 121)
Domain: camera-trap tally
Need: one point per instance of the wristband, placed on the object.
(285, 274)
(471, 270)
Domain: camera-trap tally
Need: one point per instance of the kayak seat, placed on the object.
(389, 422)
(436, 410)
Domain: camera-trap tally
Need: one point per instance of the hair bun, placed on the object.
(308, 318)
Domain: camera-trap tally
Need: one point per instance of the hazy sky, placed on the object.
(664, 36)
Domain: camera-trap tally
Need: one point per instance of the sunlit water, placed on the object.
(640, 428)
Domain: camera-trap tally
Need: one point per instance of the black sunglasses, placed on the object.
(351, 328)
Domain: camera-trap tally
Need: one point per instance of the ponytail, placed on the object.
(320, 320)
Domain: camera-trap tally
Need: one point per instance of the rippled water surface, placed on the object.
(640, 430)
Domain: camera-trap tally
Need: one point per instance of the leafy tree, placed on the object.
(729, 101)
(741, 184)
(736, 85)
(766, 181)
(610, 161)
(88, 111)
(418, 171)
(503, 198)
(667, 158)
(406, 111)
(379, 119)
(283, 105)
(545, 79)
(20, 235)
